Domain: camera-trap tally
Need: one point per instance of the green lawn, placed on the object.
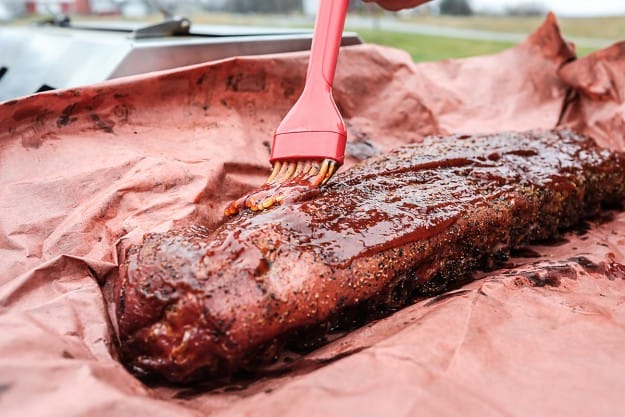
(431, 48)
(434, 48)
(595, 27)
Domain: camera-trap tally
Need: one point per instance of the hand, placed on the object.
(397, 4)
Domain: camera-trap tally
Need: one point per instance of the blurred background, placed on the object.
(438, 30)
(58, 44)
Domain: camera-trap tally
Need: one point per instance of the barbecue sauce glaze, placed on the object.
(195, 303)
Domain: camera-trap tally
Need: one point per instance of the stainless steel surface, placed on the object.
(39, 58)
(171, 27)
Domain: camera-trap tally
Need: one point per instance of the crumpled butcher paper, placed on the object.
(86, 172)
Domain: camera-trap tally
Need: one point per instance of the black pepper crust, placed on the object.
(193, 303)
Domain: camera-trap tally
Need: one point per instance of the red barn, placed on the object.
(72, 6)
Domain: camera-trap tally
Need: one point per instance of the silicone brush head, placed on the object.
(301, 161)
(287, 178)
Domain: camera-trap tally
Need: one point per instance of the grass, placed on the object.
(435, 48)
(432, 48)
(596, 27)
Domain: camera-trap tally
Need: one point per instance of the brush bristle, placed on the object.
(285, 174)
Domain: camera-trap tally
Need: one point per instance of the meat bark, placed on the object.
(194, 303)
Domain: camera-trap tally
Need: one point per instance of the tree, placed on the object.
(265, 6)
(529, 8)
(456, 7)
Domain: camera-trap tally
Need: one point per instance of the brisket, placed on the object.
(195, 303)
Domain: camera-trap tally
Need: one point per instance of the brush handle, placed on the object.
(313, 129)
(326, 41)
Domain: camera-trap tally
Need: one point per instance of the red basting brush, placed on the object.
(309, 144)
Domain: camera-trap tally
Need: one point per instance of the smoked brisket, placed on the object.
(194, 303)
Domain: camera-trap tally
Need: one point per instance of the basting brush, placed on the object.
(309, 144)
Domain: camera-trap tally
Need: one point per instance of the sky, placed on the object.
(563, 7)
